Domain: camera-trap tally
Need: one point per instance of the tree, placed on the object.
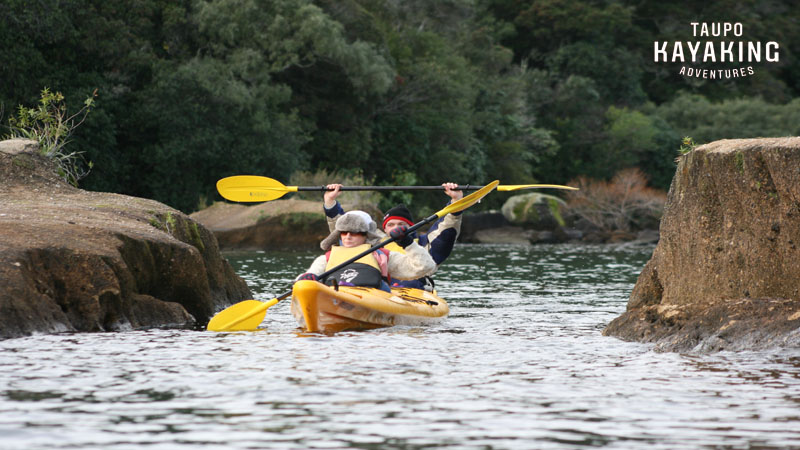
(695, 116)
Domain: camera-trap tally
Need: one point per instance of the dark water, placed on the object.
(520, 363)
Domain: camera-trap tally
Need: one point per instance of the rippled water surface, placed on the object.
(520, 363)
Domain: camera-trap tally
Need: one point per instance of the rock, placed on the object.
(647, 237)
(279, 224)
(505, 235)
(472, 223)
(285, 231)
(546, 237)
(595, 237)
(572, 234)
(74, 260)
(228, 216)
(724, 273)
(19, 146)
(536, 211)
(618, 236)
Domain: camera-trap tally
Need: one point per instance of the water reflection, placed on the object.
(520, 363)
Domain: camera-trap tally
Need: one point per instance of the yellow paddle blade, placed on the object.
(243, 316)
(252, 188)
(469, 200)
(516, 187)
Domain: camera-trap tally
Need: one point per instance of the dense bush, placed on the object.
(191, 91)
(705, 121)
(324, 178)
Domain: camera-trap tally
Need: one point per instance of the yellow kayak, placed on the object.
(318, 307)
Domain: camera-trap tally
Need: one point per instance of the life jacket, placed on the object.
(395, 247)
(368, 271)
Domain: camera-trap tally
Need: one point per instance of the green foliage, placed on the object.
(193, 232)
(452, 90)
(629, 135)
(573, 110)
(762, 21)
(555, 211)
(687, 145)
(288, 33)
(637, 139)
(50, 124)
(426, 122)
(202, 117)
(696, 116)
(738, 161)
(615, 71)
(392, 198)
(323, 177)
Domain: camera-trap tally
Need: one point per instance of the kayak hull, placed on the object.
(321, 308)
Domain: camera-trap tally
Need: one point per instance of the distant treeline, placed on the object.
(403, 91)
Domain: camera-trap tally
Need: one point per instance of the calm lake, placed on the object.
(520, 363)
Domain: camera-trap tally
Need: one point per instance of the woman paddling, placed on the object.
(356, 232)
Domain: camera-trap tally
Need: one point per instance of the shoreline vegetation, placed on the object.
(399, 93)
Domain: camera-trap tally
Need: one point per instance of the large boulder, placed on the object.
(279, 224)
(74, 260)
(535, 210)
(505, 235)
(724, 275)
(275, 225)
(474, 223)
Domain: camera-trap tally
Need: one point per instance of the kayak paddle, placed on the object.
(253, 188)
(247, 315)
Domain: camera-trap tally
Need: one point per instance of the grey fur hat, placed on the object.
(356, 221)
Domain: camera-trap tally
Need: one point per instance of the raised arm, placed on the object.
(331, 206)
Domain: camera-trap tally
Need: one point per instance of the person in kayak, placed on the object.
(355, 232)
(438, 241)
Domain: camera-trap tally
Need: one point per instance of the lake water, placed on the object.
(520, 363)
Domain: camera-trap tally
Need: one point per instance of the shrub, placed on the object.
(707, 121)
(624, 203)
(49, 124)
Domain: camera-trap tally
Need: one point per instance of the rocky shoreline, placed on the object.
(495, 228)
(74, 260)
(300, 224)
(724, 275)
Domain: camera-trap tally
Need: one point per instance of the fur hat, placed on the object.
(399, 212)
(355, 221)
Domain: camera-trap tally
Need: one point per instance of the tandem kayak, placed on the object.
(318, 307)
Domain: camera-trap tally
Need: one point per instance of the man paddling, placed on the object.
(439, 241)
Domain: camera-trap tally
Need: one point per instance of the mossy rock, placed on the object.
(537, 211)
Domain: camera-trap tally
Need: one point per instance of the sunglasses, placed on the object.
(358, 233)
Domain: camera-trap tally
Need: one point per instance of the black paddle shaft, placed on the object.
(467, 187)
